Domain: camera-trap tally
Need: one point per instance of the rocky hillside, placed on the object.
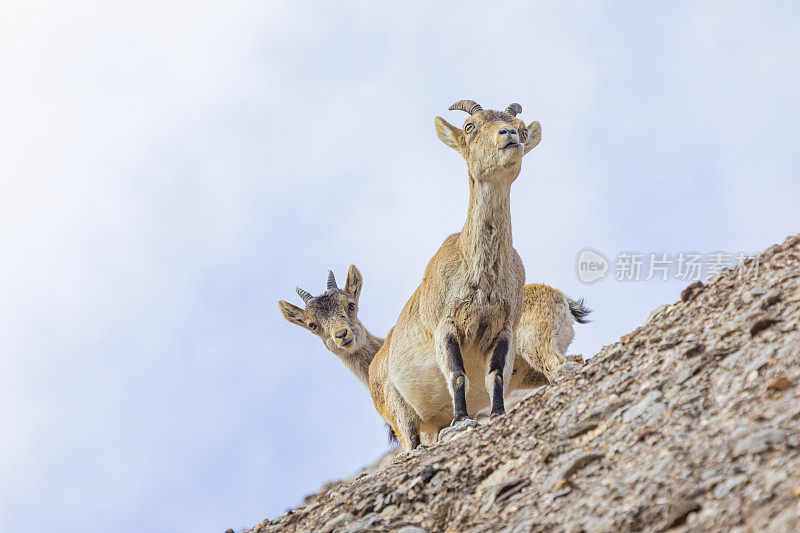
(690, 423)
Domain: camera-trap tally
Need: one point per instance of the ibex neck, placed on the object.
(358, 362)
(486, 238)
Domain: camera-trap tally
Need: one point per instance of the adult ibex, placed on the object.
(458, 327)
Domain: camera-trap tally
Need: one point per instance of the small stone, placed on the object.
(647, 432)
(402, 457)
(759, 442)
(689, 292)
(521, 527)
(685, 373)
(427, 474)
(364, 525)
(581, 461)
(679, 510)
(337, 522)
(757, 364)
(451, 432)
(566, 371)
(779, 384)
(724, 488)
(361, 505)
(771, 298)
(412, 529)
(732, 330)
(759, 322)
(671, 339)
(774, 480)
(655, 312)
(390, 511)
(564, 489)
(439, 479)
(510, 490)
(695, 350)
(584, 426)
(501, 479)
(378, 503)
(650, 407)
(577, 461)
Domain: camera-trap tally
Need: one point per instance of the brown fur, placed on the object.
(544, 332)
(545, 326)
(471, 292)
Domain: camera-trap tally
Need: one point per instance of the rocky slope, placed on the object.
(691, 423)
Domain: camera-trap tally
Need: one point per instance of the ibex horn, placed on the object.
(331, 281)
(514, 109)
(470, 106)
(304, 295)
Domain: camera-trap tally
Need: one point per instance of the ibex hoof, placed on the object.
(496, 415)
(460, 419)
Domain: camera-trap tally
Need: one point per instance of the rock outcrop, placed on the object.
(690, 423)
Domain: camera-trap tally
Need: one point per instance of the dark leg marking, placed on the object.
(496, 367)
(413, 437)
(459, 380)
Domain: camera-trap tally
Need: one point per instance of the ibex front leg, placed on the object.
(501, 359)
(448, 353)
(405, 419)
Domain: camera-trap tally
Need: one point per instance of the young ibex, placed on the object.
(543, 336)
(458, 327)
(333, 316)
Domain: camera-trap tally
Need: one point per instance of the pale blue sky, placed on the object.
(172, 169)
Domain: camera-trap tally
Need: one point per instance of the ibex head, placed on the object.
(492, 142)
(333, 315)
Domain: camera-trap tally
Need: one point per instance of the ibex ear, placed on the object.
(534, 136)
(354, 280)
(292, 313)
(449, 134)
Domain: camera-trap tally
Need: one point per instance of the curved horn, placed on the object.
(331, 281)
(304, 295)
(470, 106)
(514, 109)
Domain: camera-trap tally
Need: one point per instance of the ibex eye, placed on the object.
(352, 306)
(313, 326)
(469, 128)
